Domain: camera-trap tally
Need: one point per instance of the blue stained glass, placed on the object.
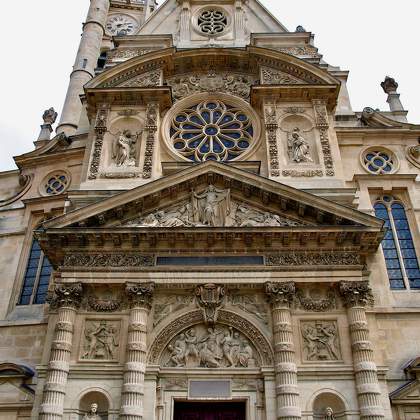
(406, 244)
(196, 120)
(372, 168)
(211, 157)
(390, 253)
(378, 162)
(393, 263)
(389, 235)
(388, 168)
(228, 144)
(250, 130)
(408, 253)
(382, 214)
(404, 234)
(370, 156)
(401, 224)
(242, 117)
(411, 263)
(211, 105)
(397, 284)
(395, 274)
(205, 148)
(227, 118)
(217, 147)
(243, 144)
(194, 144)
(181, 118)
(216, 116)
(189, 127)
(232, 127)
(211, 130)
(388, 244)
(179, 145)
(385, 156)
(233, 135)
(206, 116)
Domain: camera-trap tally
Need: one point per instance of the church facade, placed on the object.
(212, 232)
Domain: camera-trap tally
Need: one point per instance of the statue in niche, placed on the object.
(100, 342)
(124, 148)
(299, 149)
(212, 207)
(217, 347)
(329, 414)
(321, 341)
(93, 413)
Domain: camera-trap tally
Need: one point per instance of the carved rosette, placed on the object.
(210, 298)
(322, 124)
(356, 294)
(281, 294)
(100, 130)
(271, 126)
(151, 128)
(140, 295)
(66, 295)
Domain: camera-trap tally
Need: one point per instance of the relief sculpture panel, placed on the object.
(100, 341)
(210, 347)
(321, 341)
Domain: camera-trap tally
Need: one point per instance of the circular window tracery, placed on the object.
(211, 130)
(212, 22)
(379, 161)
(56, 183)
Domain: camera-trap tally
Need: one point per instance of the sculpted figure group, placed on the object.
(321, 341)
(217, 348)
(100, 342)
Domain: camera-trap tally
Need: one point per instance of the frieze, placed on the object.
(108, 260)
(120, 175)
(314, 259)
(212, 81)
(304, 51)
(121, 54)
(175, 384)
(321, 341)
(294, 110)
(271, 76)
(308, 173)
(150, 79)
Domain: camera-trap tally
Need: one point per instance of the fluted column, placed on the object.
(67, 298)
(356, 296)
(85, 64)
(140, 299)
(287, 393)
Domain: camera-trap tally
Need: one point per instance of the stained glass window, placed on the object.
(56, 184)
(211, 130)
(379, 162)
(37, 277)
(398, 245)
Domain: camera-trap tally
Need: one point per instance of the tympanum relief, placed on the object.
(320, 341)
(101, 340)
(214, 208)
(214, 347)
(212, 81)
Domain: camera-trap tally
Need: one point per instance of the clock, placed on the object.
(121, 25)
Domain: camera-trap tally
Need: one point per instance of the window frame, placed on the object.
(388, 201)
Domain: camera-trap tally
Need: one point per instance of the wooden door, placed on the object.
(206, 411)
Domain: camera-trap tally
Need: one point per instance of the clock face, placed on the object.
(120, 25)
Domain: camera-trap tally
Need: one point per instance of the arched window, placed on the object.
(398, 246)
(37, 277)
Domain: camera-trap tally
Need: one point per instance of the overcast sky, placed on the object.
(371, 38)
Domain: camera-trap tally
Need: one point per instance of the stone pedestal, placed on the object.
(140, 298)
(67, 299)
(357, 295)
(287, 393)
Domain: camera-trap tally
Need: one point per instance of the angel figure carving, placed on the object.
(123, 148)
(212, 207)
(299, 149)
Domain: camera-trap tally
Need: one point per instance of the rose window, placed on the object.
(379, 161)
(56, 184)
(212, 22)
(211, 130)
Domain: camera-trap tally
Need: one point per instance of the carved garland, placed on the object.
(271, 127)
(323, 125)
(225, 317)
(307, 259)
(151, 128)
(108, 260)
(100, 130)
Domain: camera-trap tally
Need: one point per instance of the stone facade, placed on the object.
(201, 228)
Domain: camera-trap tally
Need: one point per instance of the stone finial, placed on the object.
(49, 116)
(389, 85)
(300, 28)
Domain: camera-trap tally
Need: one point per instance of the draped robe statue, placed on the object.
(299, 147)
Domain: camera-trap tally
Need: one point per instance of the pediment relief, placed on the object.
(271, 76)
(222, 212)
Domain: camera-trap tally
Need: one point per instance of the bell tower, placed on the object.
(106, 19)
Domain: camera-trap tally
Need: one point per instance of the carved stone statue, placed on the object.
(211, 347)
(329, 414)
(93, 413)
(299, 148)
(212, 207)
(321, 341)
(49, 116)
(123, 148)
(100, 341)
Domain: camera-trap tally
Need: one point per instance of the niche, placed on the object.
(94, 397)
(329, 400)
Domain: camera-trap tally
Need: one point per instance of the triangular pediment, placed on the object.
(247, 195)
(166, 19)
(406, 394)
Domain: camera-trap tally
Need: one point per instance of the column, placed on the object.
(66, 299)
(140, 300)
(356, 296)
(287, 393)
(85, 64)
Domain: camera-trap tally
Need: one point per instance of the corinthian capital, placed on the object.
(140, 295)
(69, 295)
(356, 293)
(280, 294)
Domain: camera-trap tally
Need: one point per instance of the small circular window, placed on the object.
(379, 161)
(212, 22)
(56, 183)
(211, 130)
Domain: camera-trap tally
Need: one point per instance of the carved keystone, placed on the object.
(210, 298)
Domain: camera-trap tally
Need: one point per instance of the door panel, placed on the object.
(206, 411)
